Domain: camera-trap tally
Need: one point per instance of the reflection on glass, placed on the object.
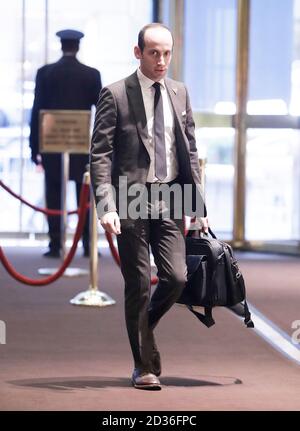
(216, 146)
(272, 57)
(10, 109)
(210, 52)
(273, 190)
(110, 33)
(110, 28)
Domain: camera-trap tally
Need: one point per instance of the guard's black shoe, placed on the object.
(52, 253)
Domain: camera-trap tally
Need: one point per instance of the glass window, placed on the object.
(271, 56)
(209, 73)
(216, 146)
(110, 29)
(272, 169)
(11, 103)
(273, 190)
(209, 54)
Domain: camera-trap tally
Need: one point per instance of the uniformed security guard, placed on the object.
(66, 84)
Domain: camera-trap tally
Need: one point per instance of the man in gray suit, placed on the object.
(143, 140)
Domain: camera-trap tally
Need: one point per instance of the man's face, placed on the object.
(157, 54)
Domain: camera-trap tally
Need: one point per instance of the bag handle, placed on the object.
(198, 233)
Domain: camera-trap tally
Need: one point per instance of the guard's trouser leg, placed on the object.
(53, 201)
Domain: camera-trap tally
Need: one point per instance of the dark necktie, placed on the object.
(159, 135)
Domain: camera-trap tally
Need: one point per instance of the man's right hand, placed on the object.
(111, 222)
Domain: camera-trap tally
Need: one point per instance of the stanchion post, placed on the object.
(92, 296)
(93, 245)
(65, 163)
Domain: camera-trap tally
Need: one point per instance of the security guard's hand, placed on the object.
(36, 158)
(111, 222)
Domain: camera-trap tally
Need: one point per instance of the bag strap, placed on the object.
(208, 320)
(241, 309)
(211, 233)
(205, 318)
(248, 321)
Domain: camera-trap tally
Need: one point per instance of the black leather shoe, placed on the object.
(155, 366)
(52, 253)
(145, 380)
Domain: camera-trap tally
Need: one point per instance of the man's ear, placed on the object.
(137, 52)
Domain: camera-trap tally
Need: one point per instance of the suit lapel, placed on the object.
(172, 91)
(135, 97)
(177, 105)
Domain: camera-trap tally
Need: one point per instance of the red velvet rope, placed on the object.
(112, 248)
(82, 214)
(84, 195)
(47, 211)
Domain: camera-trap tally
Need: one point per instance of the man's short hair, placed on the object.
(141, 36)
(69, 45)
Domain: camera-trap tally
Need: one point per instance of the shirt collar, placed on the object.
(147, 82)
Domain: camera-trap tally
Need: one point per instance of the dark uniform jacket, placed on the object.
(66, 84)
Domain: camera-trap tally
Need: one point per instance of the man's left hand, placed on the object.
(204, 224)
(197, 223)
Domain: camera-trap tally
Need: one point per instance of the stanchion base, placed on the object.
(69, 272)
(93, 298)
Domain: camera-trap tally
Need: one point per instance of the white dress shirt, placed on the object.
(171, 156)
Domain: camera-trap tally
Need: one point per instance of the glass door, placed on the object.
(209, 71)
(28, 42)
(241, 64)
(273, 138)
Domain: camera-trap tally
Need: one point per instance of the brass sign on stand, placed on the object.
(66, 132)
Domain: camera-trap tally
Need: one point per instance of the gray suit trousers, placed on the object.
(143, 311)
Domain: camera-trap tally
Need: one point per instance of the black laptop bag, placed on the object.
(213, 279)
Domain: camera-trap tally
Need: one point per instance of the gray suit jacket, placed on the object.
(120, 141)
